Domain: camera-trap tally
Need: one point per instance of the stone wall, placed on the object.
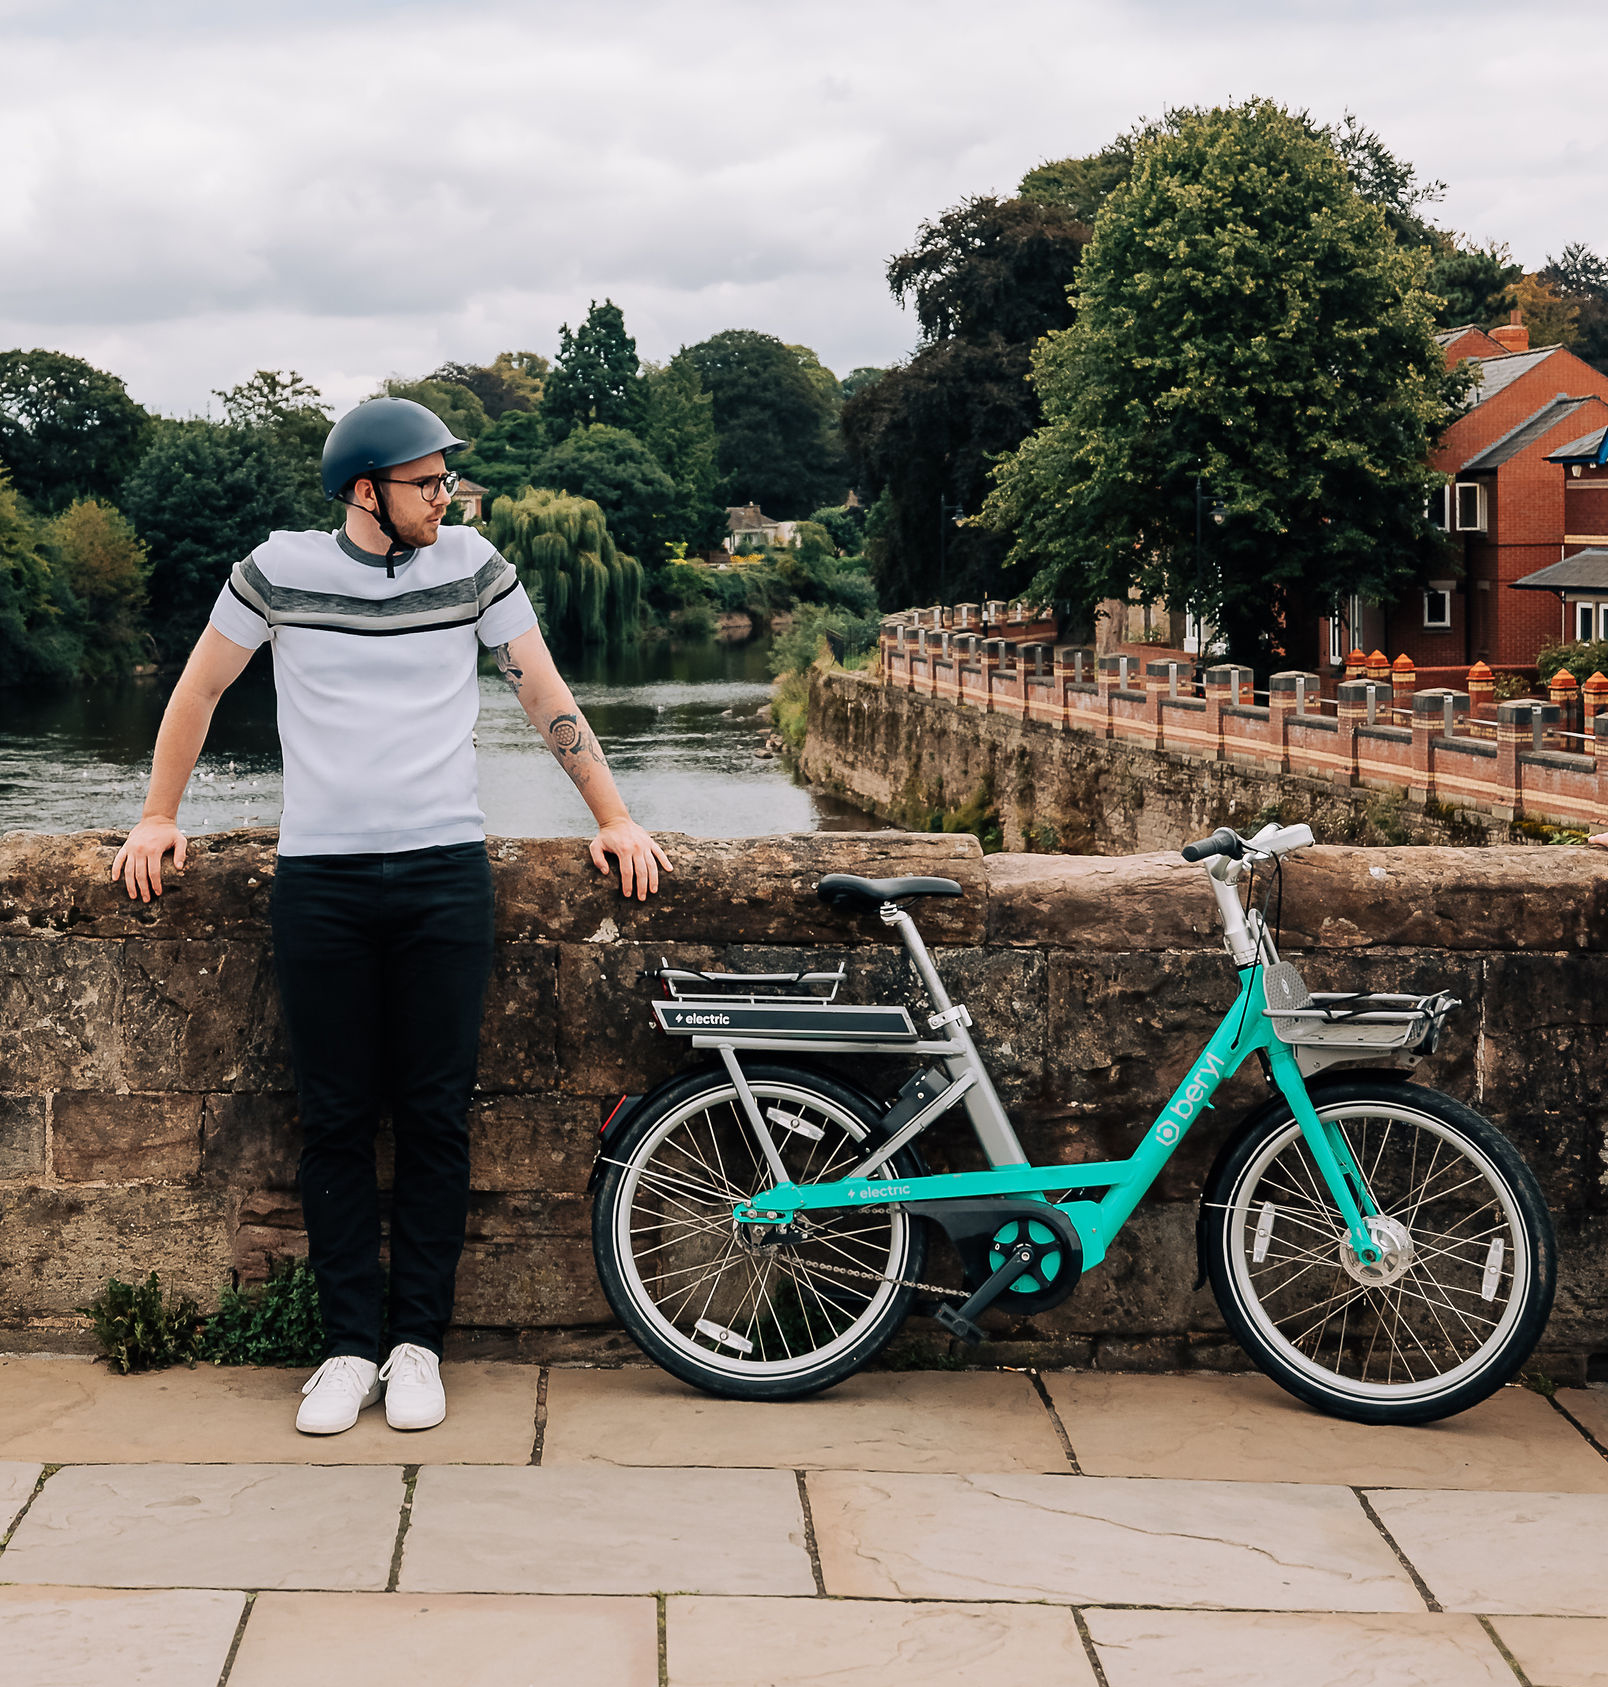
(908, 758)
(147, 1121)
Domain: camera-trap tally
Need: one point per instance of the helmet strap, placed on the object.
(396, 550)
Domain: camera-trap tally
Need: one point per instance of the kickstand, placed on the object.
(958, 1320)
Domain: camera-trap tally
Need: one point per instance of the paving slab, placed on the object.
(1248, 1649)
(1103, 1540)
(883, 1420)
(17, 1482)
(1558, 1651)
(1247, 1429)
(446, 1640)
(599, 1530)
(74, 1411)
(869, 1643)
(92, 1637)
(1588, 1406)
(1542, 1555)
(248, 1525)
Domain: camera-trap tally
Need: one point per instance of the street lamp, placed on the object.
(947, 512)
(1218, 513)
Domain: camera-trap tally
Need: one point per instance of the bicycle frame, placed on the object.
(1243, 1031)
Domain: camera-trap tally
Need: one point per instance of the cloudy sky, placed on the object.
(362, 188)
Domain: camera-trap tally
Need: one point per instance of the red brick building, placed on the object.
(1513, 507)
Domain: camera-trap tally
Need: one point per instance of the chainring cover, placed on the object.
(1041, 1285)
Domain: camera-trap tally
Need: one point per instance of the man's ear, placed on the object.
(362, 494)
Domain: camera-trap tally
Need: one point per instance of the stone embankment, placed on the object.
(1375, 757)
(147, 1119)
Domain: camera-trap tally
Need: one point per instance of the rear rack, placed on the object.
(687, 984)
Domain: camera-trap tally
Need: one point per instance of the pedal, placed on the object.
(959, 1326)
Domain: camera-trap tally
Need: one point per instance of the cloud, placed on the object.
(360, 189)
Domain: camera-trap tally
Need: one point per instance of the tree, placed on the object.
(38, 640)
(1581, 278)
(294, 413)
(564, 553)
(1469, 285)
(858, 379)
(617, 472)
(1082, 185)
(67, 429)
(678, 428)
(457, 406)
(844, 525)
(1245, 315)
(104, 564)
(775, 425)
(204, 496)
(505, 456)
(513, 380)
(1551, 319)
(987, 279)
(595, 376)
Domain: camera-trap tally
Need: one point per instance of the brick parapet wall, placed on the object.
(147, 1119)
(1048, 687)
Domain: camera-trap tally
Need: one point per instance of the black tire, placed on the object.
(666, 1193)
(1464, 1290)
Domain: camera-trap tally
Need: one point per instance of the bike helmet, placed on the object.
(379, 434)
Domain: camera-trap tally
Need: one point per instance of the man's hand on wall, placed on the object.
(639, 856)
(1601, 840)
(139, 861)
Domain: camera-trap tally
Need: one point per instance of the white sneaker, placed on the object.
(414, 1397)
(336, 1392)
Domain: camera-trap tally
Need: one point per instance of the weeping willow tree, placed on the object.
(562, 548)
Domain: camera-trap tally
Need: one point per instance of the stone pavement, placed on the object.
(911, 1529)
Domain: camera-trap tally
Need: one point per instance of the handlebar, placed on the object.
(1224, 841)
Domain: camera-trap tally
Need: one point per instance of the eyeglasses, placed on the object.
(430, 488)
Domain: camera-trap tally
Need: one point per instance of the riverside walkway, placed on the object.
(909, 1529)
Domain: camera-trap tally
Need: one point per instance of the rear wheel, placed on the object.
(730, 1307)
(1460, 1295)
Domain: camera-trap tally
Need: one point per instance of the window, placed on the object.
(1591, 620)
(1437, 607)
(1439, 508)
(1345, 623)
(1469, 506)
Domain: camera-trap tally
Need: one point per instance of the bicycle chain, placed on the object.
(877, 1277)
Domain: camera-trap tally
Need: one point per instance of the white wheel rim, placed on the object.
(891, 1262)
(1454, 1311)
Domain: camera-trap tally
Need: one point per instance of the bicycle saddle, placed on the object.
(849, 893)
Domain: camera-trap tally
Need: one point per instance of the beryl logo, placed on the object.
(1186, 1104)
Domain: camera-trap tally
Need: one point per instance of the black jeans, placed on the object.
(382, 964)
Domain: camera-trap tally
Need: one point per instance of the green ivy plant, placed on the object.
(141, 1329)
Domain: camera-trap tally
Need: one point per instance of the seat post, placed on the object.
(981, 1102)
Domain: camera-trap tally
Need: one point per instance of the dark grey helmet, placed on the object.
(378, 434)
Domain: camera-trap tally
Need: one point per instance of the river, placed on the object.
(678, 722)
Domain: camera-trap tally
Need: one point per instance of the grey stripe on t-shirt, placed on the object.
(454, 603)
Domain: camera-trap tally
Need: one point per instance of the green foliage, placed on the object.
(844, 524)
(67, 429)
(613, 468)
(1581, 278)
(456, 405)
(564, 552)
(277, 1324)
(868, 374)
(819, 629)
(204, 496)
(100, 556)
(1470, 285)
(513, 380)
(987, 280)
(39, 641)
(775, 421)
(1243, 315)
(595, 378)
(141, 1329)
(504, 458)
(678, 427)
(1082, 185)
(293, 413)
(1581, 658)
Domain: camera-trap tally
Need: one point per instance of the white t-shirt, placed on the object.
(376, 677)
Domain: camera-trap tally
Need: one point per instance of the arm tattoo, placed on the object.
(505, 666)
(575, 745)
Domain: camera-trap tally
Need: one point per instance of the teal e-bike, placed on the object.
(761, 1226)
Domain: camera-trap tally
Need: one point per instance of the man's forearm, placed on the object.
(553, 711)
(178, 746)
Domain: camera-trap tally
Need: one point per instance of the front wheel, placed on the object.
(751, 1311)
(1463, 1288)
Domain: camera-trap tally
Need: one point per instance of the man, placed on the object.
(382, 917)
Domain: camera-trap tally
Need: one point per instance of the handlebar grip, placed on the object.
(1224, 841)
